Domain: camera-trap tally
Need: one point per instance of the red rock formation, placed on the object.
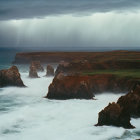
(33, 72)
(121, 57)
(131, 102)
(114, 115)
(118, 114)
(37, 65)
(70, 87)
(82, 66)
(73, 67)
(50, 71)
(101, 83)
(10, 77)
(65, 84)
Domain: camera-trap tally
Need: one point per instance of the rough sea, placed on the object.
(26, 115)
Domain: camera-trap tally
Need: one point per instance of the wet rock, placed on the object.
(62, 67)
(92, 64)
(97, 84)
(11, 77)
(118, 114)
(33, 72)
(50, 71)
(37, 66)
(114, 115)
(60, 76)
(131, 102)
(69, 87)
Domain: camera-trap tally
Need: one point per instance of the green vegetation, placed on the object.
(134, 73)
(130, 60)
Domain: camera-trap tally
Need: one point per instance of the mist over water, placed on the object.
(26, 115)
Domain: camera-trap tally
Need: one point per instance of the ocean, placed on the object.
(26, 115)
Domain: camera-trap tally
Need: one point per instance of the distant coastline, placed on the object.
(66, 49)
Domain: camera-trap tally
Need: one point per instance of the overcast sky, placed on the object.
(70, 23)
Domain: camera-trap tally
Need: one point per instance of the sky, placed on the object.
(70, 23)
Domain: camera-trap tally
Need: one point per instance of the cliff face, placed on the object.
(49, 57)
(98, 57)
(88, 66)
(85, 87)
(70, 87)
(111, 83)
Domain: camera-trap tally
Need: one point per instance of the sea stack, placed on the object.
(10, 77)
(131, 102)
(33, 72)
(118, 114)
(50, 70)
(37, 66)
(114, 115)
(69, 87)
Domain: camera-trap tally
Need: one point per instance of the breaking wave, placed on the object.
(26, 115)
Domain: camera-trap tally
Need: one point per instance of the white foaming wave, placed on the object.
(43, 119)
(35, 86)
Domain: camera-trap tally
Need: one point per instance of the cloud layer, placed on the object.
(69, 23)
(19, 9)
(100, 29)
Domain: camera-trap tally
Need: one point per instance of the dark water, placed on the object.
(6, 57)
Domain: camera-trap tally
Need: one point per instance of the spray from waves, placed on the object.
(26, 115)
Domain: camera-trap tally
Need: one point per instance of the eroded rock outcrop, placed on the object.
(33, 72)
(97, 60)
(50, 71)
(70, 87)
(114, 115)
(92, 65)
(72, 67)
(10, 77)
(131, 102)
(118, 114)
(37, 65)
(101, 83)
(67, 85)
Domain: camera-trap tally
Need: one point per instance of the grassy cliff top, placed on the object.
(133, 73)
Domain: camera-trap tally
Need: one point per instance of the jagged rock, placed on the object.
(131, 102)
(61, 67)
(118, 114)
(37, 65)
(60, 76)
(114, 115)
(10, 77)
(70, 87)
(50, 71)
(98, 83)
(92, 65)
(33, 72)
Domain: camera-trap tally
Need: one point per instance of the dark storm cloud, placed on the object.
(17, 9)
(114, 23)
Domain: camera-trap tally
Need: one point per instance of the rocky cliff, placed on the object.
(11, 77)
(70, 86)
(56, 57)
(118, 114)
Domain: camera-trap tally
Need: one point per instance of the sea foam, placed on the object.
(26, 115)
